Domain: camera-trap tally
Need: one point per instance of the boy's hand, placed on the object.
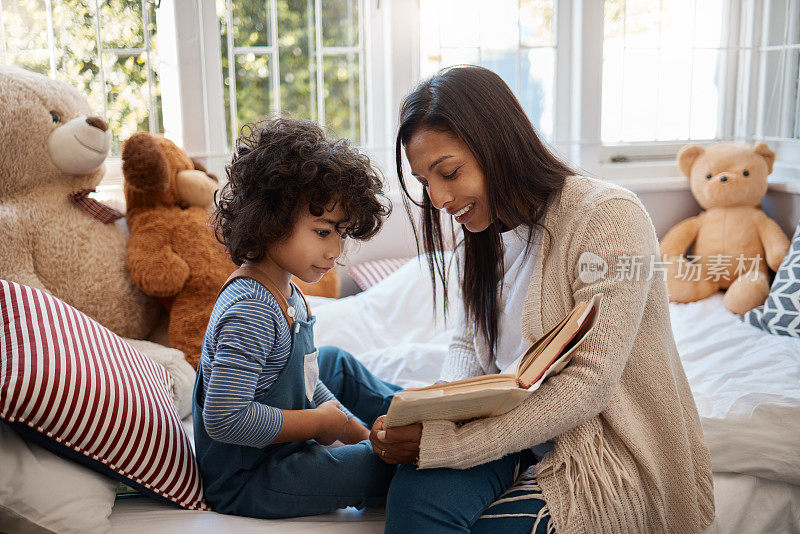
(354, 432)
(331, 422)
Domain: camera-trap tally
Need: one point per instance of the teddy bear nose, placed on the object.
(723, 178)
(97, 122)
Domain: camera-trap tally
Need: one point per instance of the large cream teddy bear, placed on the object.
(52, 149)
(52, 235)
(732, 244)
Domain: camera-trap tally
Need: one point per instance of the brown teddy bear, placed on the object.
(733, 242)
(172, 253)
(54, 236)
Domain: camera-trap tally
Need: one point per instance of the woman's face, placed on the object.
(444, 165)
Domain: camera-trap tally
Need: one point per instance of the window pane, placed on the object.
(504, 64)
(708, 35)
(251, 23)
(253, 87)
(128, 95)
(771, 93)
(499, 27)
(295, 41)
(25, 24)
(130, 98)
(342, 106)
(536, 18)
(339, 22)
(639, 94)
(780, 93)
(459, 56)
(34, 62)
(659, 85)
(613, 62)
(794, 64)
(222, 15)
(641, 23)
(458, 21)
(777, 21)
(121, 23)
(127, 92)
(537, 75)
(249, 96)
(77, 62)
(513, 38)
(706, 86)
(674, 98)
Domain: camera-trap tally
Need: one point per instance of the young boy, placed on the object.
(261, 414)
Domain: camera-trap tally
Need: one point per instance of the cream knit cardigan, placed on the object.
(629, 452)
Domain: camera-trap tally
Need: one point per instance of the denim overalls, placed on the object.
(295, 478)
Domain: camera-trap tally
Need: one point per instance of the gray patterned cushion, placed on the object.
(780, 313)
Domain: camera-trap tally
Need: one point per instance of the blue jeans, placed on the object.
(432, 500)
(365, 395)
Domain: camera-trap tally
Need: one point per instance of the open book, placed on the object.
(496, 394)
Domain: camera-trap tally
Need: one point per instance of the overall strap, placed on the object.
(308, 308)
(247, 270)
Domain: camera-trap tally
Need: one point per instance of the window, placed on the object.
(301, 57)
(616, 86)
(663, 70)
(105, 48)
(778, 54)
(514, 38)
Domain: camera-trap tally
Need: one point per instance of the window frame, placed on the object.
(194, 116)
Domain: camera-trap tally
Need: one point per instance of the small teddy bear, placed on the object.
(54, 236)
(733, 243)
(173, 254)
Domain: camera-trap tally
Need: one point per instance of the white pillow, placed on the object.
(42, 492)
(391, 327)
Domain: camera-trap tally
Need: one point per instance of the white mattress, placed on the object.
(746, 384)
(745, 505)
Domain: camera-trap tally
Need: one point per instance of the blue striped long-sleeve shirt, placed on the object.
(247, 344)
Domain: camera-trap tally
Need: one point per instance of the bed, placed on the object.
(746, 385)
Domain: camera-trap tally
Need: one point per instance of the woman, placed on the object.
(616, 434)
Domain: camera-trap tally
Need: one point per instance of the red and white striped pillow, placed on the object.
(369, 273)
(78, 389)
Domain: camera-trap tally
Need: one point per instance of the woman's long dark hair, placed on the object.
(475, 105)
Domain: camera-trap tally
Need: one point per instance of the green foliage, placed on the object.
(128, 94)
(297, 64)
(121, 93)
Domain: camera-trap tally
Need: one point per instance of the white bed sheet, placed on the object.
(746, 384)
(744, 505)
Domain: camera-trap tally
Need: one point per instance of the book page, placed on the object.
(562, 346)
(407, 407)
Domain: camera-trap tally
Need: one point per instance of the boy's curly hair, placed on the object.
(283, 165)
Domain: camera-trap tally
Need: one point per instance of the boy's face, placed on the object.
(313, 246)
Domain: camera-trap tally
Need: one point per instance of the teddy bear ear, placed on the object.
(144, 164)
(687, 156)
(769, 156)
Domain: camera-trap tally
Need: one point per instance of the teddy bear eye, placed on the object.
(56, 117)
(746, 173)
(708, 176)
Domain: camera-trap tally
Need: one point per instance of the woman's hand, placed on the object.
(331, 422)
(398, 445)
(354, 432)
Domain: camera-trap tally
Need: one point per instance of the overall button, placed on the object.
(296, 328)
